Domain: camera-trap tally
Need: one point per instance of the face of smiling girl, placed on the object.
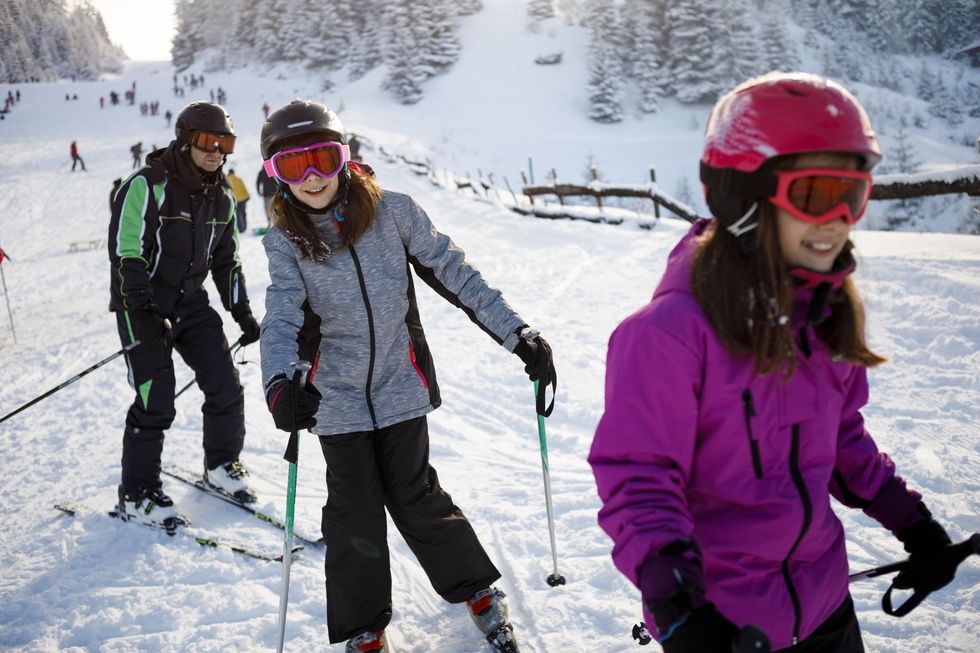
(809, 245)
(315, 191)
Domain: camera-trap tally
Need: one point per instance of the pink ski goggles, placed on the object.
(294, 165)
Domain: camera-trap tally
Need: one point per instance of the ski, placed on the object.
(72, 509)
(198, 482)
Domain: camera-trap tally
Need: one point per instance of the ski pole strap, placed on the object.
(954, 555)
(540, 395)
(292, 448)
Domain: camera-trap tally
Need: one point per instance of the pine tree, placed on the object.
(468, 7)
(740, 42)
(695, 62)
(540, 9)
(779, 52)
(435, 34)
(605, 97)
(368, 52)
(403, 79)
(648, 66)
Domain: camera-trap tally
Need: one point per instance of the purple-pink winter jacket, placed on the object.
(672, 460)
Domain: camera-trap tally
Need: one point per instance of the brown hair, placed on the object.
(363, 193)
(748, 298)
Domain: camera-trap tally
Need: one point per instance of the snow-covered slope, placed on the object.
(91, 584)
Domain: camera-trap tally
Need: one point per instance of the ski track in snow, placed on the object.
(89, 583)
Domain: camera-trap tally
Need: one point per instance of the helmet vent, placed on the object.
(302, 123)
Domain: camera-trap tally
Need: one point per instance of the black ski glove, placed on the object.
(703, 631)
(249, 325)
(931, 564)
(149, 326)
(535, 352)
(292, 406)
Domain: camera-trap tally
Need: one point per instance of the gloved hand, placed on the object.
(292, 405)
(928, 569)
(248, 324)
(149, 326)
(535, 352)
(703, 631)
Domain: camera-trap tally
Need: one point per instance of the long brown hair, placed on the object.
(363, 194)
(748, 298)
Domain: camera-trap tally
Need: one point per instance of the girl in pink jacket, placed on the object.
(733, 399)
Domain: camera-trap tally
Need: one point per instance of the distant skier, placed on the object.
(137, 151)
(75, 158)
(267, 188)
(240, 192)
(168, 116)
(733, 399)
(339, 253)
(355, 148)
(265, 110)
(158, 268)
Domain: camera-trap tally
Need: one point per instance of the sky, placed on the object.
(144, 28)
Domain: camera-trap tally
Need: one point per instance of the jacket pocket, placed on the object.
(749, 410)
(415, 364)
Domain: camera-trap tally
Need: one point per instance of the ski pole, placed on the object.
(554, 579)
(6, 296)
(292, 455)
(238, 346)
(70, 381)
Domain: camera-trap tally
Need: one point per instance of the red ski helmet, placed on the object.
(772, 116)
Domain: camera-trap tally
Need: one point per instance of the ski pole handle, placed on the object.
(751, 640)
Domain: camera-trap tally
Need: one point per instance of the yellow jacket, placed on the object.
(238, 188)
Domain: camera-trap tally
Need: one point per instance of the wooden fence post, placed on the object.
(598, 197)
(656, 204)
(524, 178)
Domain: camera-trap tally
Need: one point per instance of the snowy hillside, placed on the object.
(91, 584)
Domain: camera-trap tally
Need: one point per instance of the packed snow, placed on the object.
(89, 583)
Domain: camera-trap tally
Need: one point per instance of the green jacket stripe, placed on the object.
(129, 239)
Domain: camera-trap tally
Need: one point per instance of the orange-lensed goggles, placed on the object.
(294, 165)
(822, 195)
(208, 142)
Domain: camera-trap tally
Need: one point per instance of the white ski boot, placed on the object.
(149, 506)
(489, 612)
(229, 478)
(371, 641)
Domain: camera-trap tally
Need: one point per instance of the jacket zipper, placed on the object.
(753, 443)
(794, 468)
(411, 354)
(370, 317)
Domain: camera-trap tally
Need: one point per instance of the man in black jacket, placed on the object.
(172, 222)
(267, 189)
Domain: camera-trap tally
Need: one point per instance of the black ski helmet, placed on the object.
(297, 118)
(202, 116)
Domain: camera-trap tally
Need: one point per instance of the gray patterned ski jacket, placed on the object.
(354, 316)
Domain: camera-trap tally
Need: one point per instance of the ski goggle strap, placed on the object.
(821, 195)
(294, 165)
(210, 142)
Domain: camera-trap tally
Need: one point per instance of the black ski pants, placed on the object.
(369, 471)
(200, 341)
(840, 633)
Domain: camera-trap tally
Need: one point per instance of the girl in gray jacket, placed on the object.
(342, 297)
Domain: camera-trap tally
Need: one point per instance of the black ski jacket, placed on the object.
(169, 227)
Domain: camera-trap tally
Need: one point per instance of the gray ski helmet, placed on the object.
(297, 118)
(202, 116)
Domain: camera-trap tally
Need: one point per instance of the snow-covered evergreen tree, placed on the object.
(647, 64)
(403, 79)
(695, 62)
(540, 9)
(739, 40)
(468, 7)
(45, 39)
(367, 50)
(779, 51)
(605, 77)
(434, 24)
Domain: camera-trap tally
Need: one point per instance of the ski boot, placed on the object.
(229, 478)
(149, 506)
(370, 641)
(489, 612)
